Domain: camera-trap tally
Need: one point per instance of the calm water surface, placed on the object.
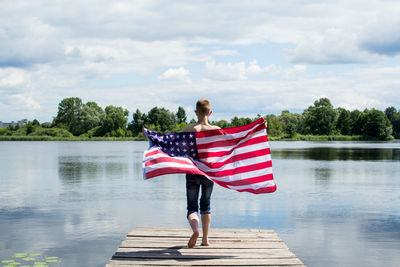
(337, 203)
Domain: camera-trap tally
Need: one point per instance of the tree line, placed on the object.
(75, 118)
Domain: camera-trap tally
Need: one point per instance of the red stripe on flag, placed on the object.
(154, 152)
(167, 159)
(253, 180)
(232, 130)
(253, 141)
(252, 176)
(239, 170)
(172, 170)
(223, 184)
(247, 155)
(269, 189)
(231, 142)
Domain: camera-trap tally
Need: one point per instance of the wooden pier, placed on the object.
(229, 247)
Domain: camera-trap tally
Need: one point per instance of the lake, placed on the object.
(337, 203)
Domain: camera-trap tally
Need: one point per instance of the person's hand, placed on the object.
(144, 134)
(266, 124)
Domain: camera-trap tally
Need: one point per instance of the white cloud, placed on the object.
(350, 89)
(334, 47)
(13, 77)
(322, 32)
(25, 102)
(242, 71)
(224, 52)
(124, 55)
(178, 74)
(51, 49)
(254, 68)
(225, 72)
(26, 40)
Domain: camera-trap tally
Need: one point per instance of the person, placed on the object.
(194, 182)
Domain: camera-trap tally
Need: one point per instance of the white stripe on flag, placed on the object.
(253, 186)
(236, 164)
(224, 137)
(169, 164)
(240, 176)
(163, 155)
(223, 148)
(243, 162)
(237, 151)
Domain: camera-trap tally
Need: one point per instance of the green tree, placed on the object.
(68, 113)
(320, 119)
(235, 121)
(55, 132)
(89, 117)
(390, 112)
(114, 122)
(5, 132)
(357, 122)
(138, 122)
(394, 117)
(162, 119)
(275, 125)
(396, 125)
(378, 125)
(46, 125)
(30, 127)
(220, 123)
(292, 122)
(35, 122)
(181, 115)
(343, 124)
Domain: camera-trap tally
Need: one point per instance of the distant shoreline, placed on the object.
(271, 138)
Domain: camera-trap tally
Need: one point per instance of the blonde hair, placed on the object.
(203, 107)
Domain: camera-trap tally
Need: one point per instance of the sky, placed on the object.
(246, 57)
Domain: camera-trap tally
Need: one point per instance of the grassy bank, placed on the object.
(51, 138)
(271, 138)
(321, 138)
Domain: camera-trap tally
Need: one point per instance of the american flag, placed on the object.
(237, 158)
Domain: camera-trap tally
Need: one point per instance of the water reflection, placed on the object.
(323, 175)
(331, 153)
(382, 229)
(74, 169)
(336, 203)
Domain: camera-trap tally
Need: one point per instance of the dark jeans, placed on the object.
(193, 183)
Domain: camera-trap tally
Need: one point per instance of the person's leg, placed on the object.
(205, 207)
(194, 224)
(205, 222)
(192, 196)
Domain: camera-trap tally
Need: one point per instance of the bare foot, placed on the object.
(205, 243)
(193, 239)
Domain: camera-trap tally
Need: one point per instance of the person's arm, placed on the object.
(144, 134)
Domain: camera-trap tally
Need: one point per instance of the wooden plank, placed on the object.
(187, 230)
(141, 265)
(185, 233)
(215, 255)
(210, 262)
(129, 244)
(211, 235)
(230, 247)
(200, 251)
(212, 240)
(177, 229)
